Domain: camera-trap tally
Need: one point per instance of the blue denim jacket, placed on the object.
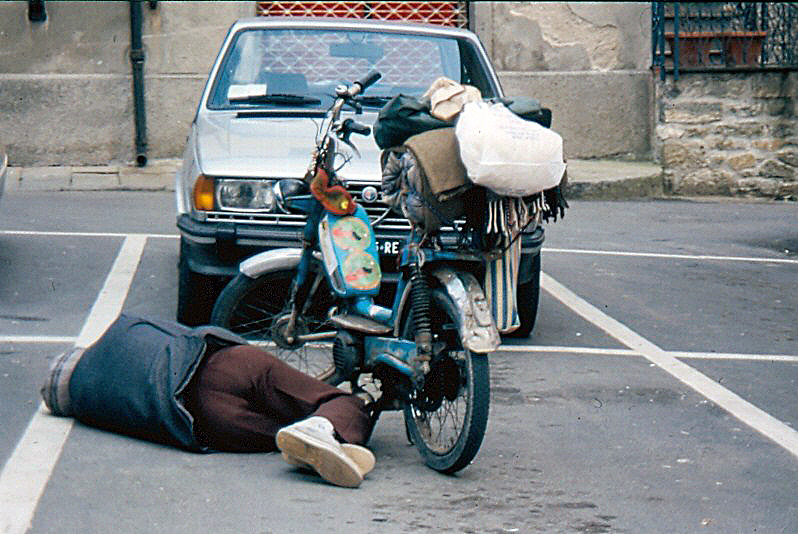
(131, 380)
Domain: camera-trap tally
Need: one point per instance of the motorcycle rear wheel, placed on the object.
(446, 420)
(255, 308)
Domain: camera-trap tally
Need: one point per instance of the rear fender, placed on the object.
(475, 322)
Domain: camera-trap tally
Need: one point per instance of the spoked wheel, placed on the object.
(446, 419)
(256, 309)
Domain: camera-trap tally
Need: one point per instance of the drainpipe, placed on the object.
(36, 11)
(137, 62)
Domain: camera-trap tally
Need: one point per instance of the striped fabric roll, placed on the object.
(501, 279)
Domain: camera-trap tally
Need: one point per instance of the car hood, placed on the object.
(261, 146)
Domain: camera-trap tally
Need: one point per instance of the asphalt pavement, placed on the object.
(657, 392)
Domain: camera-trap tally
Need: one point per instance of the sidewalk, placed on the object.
(587, 179)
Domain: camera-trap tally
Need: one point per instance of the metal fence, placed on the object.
(448, 13)
(724, 36)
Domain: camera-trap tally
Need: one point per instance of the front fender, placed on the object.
(475, 322)
(270, 260)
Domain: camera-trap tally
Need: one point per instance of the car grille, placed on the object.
(377, 211)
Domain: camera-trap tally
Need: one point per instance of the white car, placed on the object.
(238, 146)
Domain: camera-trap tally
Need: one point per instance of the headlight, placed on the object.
(245, 195)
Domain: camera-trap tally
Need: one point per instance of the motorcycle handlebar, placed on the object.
(351, 125)
(366, 81)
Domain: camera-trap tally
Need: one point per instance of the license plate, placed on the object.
(388, 247)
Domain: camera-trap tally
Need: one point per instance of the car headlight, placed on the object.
(245, 195)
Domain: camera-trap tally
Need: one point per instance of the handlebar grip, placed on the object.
(351, 125)
(368, 80)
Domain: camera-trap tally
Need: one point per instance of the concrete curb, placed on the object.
(614, 180)
(158, 175)
(587, 179)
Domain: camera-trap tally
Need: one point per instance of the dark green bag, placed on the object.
(402, 117)
(528, 109)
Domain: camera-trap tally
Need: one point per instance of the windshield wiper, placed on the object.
(281, 100)
(373, 101)
(368, 101)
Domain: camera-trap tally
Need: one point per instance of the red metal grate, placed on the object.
(440, 13)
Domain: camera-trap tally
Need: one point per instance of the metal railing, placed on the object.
(724, 36)
(442, 13)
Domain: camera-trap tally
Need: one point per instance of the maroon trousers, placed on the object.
(241, 396)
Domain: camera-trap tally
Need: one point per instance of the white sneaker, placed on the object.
(312, 442)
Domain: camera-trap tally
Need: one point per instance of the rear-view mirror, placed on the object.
(370, 52)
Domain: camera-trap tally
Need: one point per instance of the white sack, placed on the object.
(505, 153)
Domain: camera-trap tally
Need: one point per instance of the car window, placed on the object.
(312, 62)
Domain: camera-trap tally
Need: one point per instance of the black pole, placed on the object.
(36, 11)
(662, 39)
(137, 62)
(676, 41)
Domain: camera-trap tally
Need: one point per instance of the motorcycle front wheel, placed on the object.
(257, 310)
(446, 419)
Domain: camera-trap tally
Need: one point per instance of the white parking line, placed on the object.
(743, 410)
(37, 339)
(671, 256)
(545, 249)
(27, 471)
(788, 358)
(33, 233)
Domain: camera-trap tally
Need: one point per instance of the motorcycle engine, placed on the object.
(347, 353)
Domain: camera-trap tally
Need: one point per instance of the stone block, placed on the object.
(768, 145)
(776, 169)
(669, 131)
(570, 36)
(776, 106)
(693, 112)
(769, 85)
(744, 109)
(742, 161)
(678, 153)
(717, 142)
(743, 129)
(725, 86)
(756, 187)
(599, 114)
(788, 155)
(788, 190)
(784, 128)
(706, 182)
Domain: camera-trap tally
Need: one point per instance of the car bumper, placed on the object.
(216, 249)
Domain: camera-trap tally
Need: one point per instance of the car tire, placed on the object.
(527, 297)
(196, 294)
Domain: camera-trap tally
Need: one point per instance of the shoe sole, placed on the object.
(362, 457)
(326, 462)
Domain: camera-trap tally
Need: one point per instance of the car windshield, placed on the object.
(311, 62)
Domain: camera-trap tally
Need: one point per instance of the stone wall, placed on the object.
(66, 93)
(729, 133)
(66, 96)
(587, 61)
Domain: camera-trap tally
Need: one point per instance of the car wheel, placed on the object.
(196, 294)
(527, 296)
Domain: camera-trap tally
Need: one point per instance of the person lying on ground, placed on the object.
(204, 390)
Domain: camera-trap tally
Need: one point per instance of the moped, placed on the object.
(426, 354)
